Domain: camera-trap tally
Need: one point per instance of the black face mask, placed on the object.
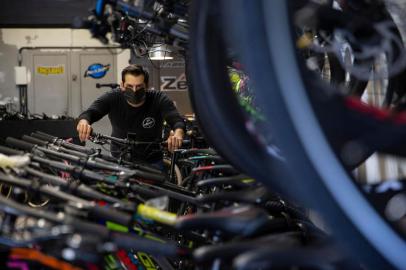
(134, 97)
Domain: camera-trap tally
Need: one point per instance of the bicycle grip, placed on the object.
(87, 227)
(79, 148)
(153, 247)
(40, 137)
(45, 135)
(92, 194)
(150, 176)
(19, 144)
(146, 168)
(145, 191)
(9, 151)
(34, 140)
(110, 214)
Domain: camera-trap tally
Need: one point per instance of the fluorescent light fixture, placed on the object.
(160, 52)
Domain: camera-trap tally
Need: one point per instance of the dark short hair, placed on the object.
(135, 70)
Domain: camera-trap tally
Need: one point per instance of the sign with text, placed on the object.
(171, 83)
(97, 71)
(51, 70)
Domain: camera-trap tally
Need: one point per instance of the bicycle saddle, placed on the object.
(254, 196)
(216, 159)
(209, 253)
(228, 169)
(241, 221)
(193, 152)
(240, 181)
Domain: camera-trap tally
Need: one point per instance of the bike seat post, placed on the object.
(174, 159)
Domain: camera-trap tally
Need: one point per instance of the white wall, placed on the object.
(12, 39)
(48, 37)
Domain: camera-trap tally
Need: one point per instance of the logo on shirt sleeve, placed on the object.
(148, 122)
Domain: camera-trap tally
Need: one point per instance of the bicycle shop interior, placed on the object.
(211, 134)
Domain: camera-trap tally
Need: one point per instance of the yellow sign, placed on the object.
(54, 70)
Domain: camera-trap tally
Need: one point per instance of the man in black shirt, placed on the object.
(133, 109)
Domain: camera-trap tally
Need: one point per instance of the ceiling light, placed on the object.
(160, 52)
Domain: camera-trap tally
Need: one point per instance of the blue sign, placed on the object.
(97, 71)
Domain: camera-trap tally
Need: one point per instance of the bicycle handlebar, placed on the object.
(57, 141)
(111, 85)
(121, 240)
(85, 162)
(130, 142)
(80, 189)
(92, 209)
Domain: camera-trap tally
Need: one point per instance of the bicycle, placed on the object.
(130, 151)
(311, 122)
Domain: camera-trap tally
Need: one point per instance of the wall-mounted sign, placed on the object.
(172, 64)
(50, 70)
(170, 83)
(97, 71)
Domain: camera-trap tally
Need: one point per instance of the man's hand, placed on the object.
(84, 130)
(175, 139)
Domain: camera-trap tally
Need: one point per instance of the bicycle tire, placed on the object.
(206, 75)
(307, 148)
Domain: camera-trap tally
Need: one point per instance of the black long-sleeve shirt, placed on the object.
(146, 121)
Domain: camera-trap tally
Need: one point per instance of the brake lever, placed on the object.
(98, 140)
(124, 177)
